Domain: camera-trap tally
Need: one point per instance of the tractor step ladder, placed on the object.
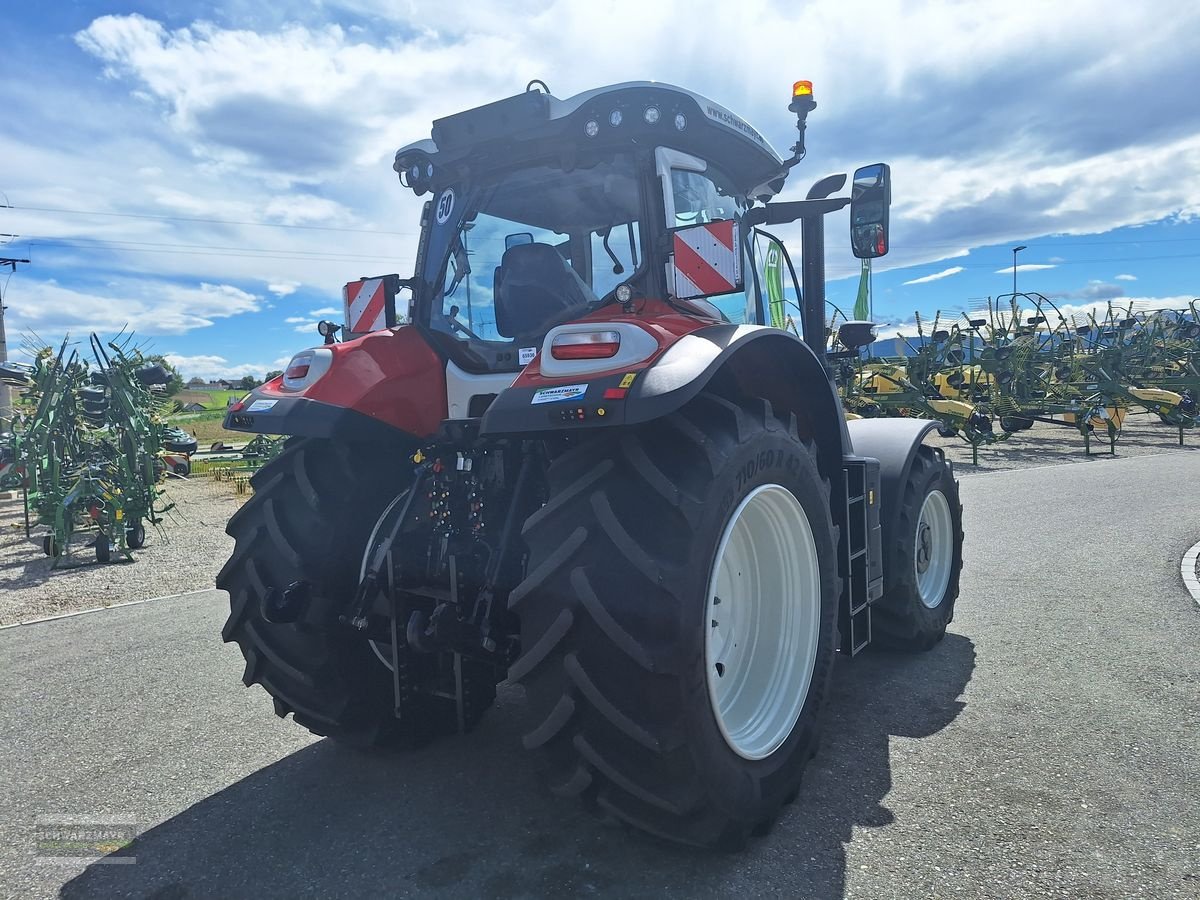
(860, 552)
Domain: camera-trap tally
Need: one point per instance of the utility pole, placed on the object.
(6, 412)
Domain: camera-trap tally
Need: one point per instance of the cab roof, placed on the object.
(634, 113)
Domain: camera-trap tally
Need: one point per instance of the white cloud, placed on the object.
(297, 123)
(146, 307)
(937, 276)
(325, 311)
(885, 332)
(283, 288)
(295, 320)
(211, 367)
(1125, 277)
(1078, 313)
(1026, 267)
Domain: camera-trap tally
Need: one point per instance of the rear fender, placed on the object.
(750, 361)
(737, 360)
(382, 386)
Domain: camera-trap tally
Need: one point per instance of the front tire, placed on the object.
(921, 572)
(634, 602)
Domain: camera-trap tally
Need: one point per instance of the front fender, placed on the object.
(377, 385)
(894, 442)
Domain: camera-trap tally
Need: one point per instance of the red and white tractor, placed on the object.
(585, 463)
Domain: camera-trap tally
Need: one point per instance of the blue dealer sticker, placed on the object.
(555, 394)
(261, 405)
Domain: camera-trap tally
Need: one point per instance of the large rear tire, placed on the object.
(922, 570)
(678, 621)
(312, 510)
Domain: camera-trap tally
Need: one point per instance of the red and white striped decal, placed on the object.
(365, 305)
(707, 260)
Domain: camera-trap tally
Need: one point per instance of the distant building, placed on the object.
(194, 407)
(196, 383)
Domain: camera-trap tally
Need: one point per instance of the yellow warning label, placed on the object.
(628, 379)
(120, 514)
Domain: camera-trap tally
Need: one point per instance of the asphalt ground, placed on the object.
(1047, 747)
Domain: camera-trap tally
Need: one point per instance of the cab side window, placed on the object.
(697, 199)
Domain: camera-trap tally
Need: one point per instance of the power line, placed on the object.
(199, 219)
(161, 218)
(1047, 245)
(208, 250)
(1069, 262)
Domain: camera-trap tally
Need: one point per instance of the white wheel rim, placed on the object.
(933, 552)
(762, 621)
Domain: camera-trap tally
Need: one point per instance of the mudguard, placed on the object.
(381, 386)
(756, 361)
(753, 360)
(894, 443)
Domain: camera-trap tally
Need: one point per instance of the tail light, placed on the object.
(586, 345)
(306, 367)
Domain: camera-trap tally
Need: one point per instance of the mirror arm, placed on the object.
(790, 211)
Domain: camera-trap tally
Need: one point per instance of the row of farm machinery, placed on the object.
(90, 447)
(992, 374)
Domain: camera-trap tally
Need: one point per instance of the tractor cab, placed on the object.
(572, 238)
(543, 210)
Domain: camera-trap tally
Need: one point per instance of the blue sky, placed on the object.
(240, 152)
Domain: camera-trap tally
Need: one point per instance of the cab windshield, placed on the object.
(510, 259)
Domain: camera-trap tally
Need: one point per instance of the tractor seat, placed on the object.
(534, 289)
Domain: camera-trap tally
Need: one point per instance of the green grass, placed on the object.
(213, 400)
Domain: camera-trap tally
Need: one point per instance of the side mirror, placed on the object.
(870, 200)
(521, 237)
